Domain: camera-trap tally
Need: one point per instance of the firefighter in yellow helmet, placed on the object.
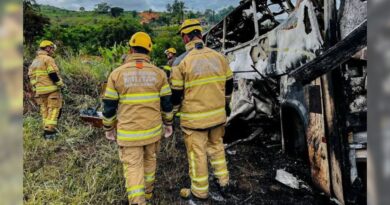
(171, 56)
(137, 111)
(46, 81)
(201, 85)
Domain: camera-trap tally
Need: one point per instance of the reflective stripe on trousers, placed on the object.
(50, 108)
(149, 177)
(139, 168)
(203, 145)
(135, 191)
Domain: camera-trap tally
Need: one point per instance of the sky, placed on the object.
(140, 5)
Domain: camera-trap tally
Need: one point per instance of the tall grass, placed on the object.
(80, 167)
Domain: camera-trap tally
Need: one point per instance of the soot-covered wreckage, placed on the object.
(302, 65)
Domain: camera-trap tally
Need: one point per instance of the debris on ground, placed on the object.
(287, 179)
(91, 116)
(251, 137)
(252, 166)
(290, 180)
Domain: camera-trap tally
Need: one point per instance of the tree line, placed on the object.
(107, 32)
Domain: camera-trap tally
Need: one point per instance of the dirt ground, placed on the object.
(252, 166)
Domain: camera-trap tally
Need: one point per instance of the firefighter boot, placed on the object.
(225, 191)
(148, 198)
(186, 194)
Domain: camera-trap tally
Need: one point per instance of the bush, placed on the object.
(91, 37)
(114, 55)
(164, 38)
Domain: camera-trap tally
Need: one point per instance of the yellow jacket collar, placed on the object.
(42, 52)
(191, 44)
(137, 56)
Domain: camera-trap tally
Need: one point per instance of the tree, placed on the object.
(192, 15)
(165, 19)
(169, 8)
(178, 10)
(223, 12)
(34, 23)
(82, 9)
(102, 8)
(116, 11)
(134, 13)
(210, 15)
(181, 11)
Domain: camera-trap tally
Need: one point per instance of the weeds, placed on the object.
(80, 167)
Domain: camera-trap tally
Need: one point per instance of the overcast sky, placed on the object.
(140, 5)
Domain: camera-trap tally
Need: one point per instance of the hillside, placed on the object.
(65, 17)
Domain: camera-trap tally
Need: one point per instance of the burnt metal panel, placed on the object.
(317, 145)
(315, 105)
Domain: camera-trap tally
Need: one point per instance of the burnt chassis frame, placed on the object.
(311, 96)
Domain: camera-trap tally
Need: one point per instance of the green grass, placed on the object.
(93, 68)
(80, 167)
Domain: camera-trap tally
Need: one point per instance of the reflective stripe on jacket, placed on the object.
(39, 71)
(138, 86)
(202, 74)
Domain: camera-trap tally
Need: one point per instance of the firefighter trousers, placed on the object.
(50, 107)
(139, 167)
(204, 145)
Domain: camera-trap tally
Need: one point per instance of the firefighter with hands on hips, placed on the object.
(202, 83)
(47, 83)
(137, 111)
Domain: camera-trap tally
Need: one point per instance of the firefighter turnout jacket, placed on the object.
(202, 75)
(137, 102)
(44, 74)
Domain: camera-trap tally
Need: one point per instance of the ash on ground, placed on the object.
(252, 166)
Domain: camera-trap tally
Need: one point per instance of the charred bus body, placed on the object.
(303, 64)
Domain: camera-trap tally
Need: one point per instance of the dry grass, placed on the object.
(81, 166)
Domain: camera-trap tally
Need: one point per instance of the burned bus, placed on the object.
(303, 64)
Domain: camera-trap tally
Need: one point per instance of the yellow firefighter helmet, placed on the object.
(46, 43)
(170, 50)
(190, 25)
(141, 39)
